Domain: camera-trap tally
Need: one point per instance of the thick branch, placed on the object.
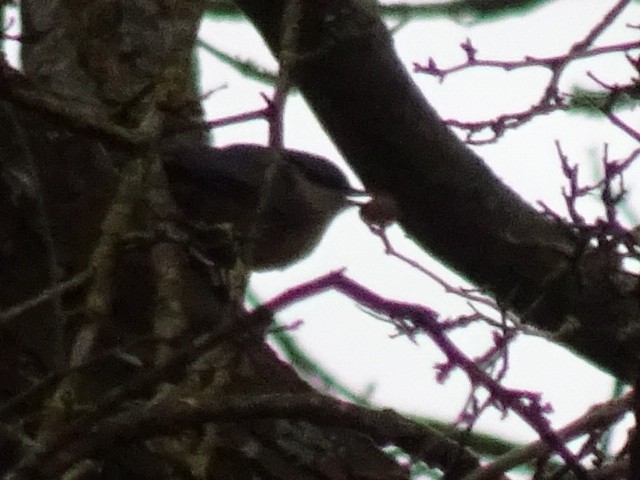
(451, 203)
(174, 415)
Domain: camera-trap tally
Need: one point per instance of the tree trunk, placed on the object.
(125, 352)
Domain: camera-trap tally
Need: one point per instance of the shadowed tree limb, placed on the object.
(450, 201)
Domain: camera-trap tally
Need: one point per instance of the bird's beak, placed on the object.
(357, 197)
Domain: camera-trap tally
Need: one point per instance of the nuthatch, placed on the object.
(278, 202)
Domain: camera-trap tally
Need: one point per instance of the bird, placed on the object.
(277, 202)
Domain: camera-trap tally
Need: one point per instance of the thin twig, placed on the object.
(598, 417)
(45, 296)
(550, 100)
(46, 232)
(527, 405)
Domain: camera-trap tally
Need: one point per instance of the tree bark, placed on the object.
(107, 307)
